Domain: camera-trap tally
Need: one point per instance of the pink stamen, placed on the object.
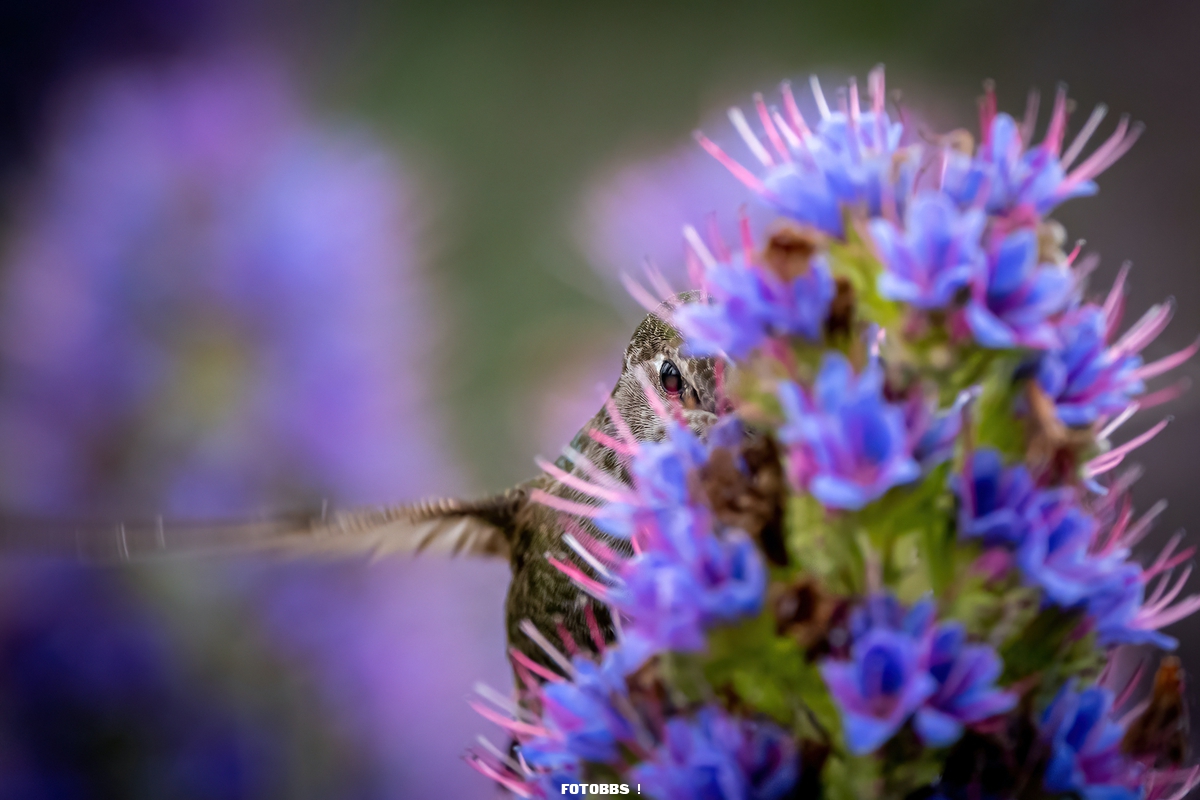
(657, 281)
(1182, 610)
(799, 126)
(747, 236)
(567, 639)
(748, 136)
(875, 88)
(1167, 363)
(1029, 121)
(1166, 394)
(567, 506)
(611, 559)
(1085, 134)
(537, 669)
(1074, 254)
(511, 783)
(987, 112)
(509, 724)
(603, 438)
(1131, 685)
(718, 241)
(593, 587)
(1058, 122)
(639, 293)
(579, 484)
(594, 628)
(1161, 601)
(619, 422)
(769, 126)
(1105, 155)
(744, 175)
(1114, 303)
(1146, 329)
(1114, 456)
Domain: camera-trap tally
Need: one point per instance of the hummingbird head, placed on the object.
(657, 357)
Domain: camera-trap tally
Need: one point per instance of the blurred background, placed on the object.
(256, 256)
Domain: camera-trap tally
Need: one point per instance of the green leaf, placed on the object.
(826, 550)
(855, 261)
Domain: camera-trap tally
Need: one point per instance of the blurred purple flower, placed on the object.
(997, 505)
(211, 303)
(98, 701)
(934, 257)
(847, 445)
(671, 602)
(1085, 379)
(1086, 756)
(749, 303)
(1013, 301)
(716, 757)
(853, 159)
(635, 212)
(887, 677)
(966, 690)
(1056, 554)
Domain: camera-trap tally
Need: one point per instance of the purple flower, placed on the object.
(1086, 755)
(1056, 553)
(887, 678)
(94, 677)
(749, 303)
(852, 159)
(966, 687)
(936, 431)
(999, 502)
(1012, 303)
(935, 256)
(715, 757)
(1085, 378)
(213, 303)
(847, 445)
(1117, 614)
(672, 598)
(1008, 177)
(585, 713)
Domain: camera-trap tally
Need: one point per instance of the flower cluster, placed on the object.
(923, 402)
(904, 666)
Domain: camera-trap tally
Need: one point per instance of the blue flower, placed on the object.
(887, 678)
(1117, 614)
(1009, 176)
(671, 599)
(715, 757)
(966, 687)
(934, 256)
(1056, 554)
(1086, 755)
(999, 503)
(1083, 376)
(749, 303)
(845, 165)
(585, 713)
(853, 159)
(936, 430)
(1013, 302)
(847, 444)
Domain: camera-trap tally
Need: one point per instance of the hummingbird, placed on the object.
(508, 524)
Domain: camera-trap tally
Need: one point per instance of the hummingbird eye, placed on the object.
(672, 381)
